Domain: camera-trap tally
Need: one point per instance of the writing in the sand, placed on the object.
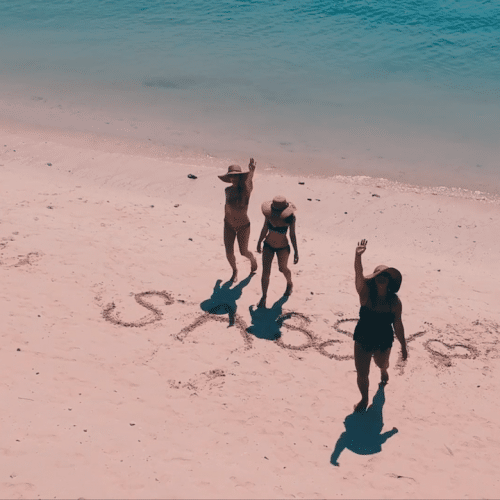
(441, 349)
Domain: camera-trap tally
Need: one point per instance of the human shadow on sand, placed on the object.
(362, 434)
(266, 323)
(223, 299)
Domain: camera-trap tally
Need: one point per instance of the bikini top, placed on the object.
(277, 229)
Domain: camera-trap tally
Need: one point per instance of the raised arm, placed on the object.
(361, 286)
(249, 177)
(399, 329)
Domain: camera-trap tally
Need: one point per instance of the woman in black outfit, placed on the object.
(380, 311)
(279, 216)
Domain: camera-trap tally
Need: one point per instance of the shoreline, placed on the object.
(158, 118)
(199, 158)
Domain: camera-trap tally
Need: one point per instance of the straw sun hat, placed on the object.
(395, 277)
(278, 207)
(232, 170)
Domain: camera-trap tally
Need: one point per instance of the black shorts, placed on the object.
(275, 250)
(372, 340)
(374, 347)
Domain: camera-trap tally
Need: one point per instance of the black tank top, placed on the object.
(277, 229)
(374, 329)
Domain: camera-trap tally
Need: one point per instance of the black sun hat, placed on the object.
(395, 277)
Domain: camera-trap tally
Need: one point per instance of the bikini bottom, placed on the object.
(236, 230)
(276, 250)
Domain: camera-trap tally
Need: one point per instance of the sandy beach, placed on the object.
(117, 381)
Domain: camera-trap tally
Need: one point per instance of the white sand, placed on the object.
(185, 406)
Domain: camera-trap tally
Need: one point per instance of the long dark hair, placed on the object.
(372, 288)
(241, 182)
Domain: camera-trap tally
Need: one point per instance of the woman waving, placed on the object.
(236, 221)
(379, 320)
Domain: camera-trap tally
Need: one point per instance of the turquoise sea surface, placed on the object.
(410, 89)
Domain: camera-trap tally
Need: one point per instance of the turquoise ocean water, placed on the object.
(406, 90)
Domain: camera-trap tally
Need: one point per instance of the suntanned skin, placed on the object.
(276, 240)
(236, 218)
(362, 358)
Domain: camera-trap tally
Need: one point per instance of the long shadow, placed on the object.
(223, 299)
(265, 323)
(362, 434)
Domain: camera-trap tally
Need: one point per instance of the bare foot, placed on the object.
(262, 303)
(253, 269)
(288, 290)
(384, 379)
(234, 277)
(361, 406)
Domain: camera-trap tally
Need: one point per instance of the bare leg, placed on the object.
(362, 361)
(267, 260)
(381, 359)
(229, 237)
(243, 238)
(283, 267)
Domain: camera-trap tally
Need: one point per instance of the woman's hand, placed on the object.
(296, 258)
(404, 353)
(360, 249)
(252, 165)
(259, 250)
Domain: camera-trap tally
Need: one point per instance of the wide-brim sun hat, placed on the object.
(278, 207)
(232, 171)
(395, 277)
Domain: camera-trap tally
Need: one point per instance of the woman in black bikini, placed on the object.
(380, 310)
(236, 221)
(278, 218)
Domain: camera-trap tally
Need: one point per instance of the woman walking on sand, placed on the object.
(279, 216)
(374, 333)
(236, 221)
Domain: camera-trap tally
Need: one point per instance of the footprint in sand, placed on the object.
(28, 259)
(21, 260)
(213, 379)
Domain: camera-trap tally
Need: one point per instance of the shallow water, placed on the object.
(408, 90)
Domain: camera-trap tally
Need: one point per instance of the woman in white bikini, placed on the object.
(279, 216)
(236, 221)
